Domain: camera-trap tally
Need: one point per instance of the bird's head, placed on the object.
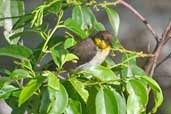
(103, 39)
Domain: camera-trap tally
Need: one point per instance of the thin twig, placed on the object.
(153, 61)
(152, 64)
(162, 61)
(144, 20)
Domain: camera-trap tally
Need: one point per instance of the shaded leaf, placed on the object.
(25, 19)
(18, 74)
(113, 19)
(86, 19)
(74, 27)
(55, 7)
(6, 91)
(158, 95)
(45, 101)
(16, 51)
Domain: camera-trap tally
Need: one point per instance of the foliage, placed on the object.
(111, 88)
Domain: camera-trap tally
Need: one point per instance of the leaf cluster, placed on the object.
(110, 88)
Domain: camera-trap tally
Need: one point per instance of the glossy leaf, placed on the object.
(80, 88)
(68, 57)
(56, 56)
(6, 91)
(137, 98)
(69, 43)
(99, 26)
(157, 92)
(113, 19)
(58, 100)
(28, 90)
(136, 70)
(106, 102)
(53, 80)
(121, 102)
(16, 51)
(18, 74)
(86, 19)
(102, 73)
(74, 107)
(74, 27)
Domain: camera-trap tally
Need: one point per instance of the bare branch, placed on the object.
(153, 61)
(144, 20)
(162, 61)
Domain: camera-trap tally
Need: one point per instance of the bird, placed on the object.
(91, 51)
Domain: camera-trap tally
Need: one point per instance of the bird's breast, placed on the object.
(97, 59)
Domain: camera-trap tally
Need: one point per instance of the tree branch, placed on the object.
(162, 61)
(143, 19)
(152, 64)
(153, 61)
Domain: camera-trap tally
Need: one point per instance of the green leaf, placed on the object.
(80, 88)
(56, 56)
(74, 27)
(68, 57)
(158, 95)
(70, 42)
(55, 7)
(74, 107)
(113, 19)
(4, 81)
(28, 90)
(136, 70)
(6, 91)
(137, 98)
(25, 19)
(86, 19)
(44, 102)
(106, 102)
(18, 74)
(16, 51)
(99, 26)
(12, 8)
(102, 73)
(53, 80)
(121, 102)
(59, 100)
(91, 107)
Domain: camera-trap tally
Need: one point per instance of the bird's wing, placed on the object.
(85, 50)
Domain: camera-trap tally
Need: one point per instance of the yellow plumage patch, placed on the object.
(101, 43)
